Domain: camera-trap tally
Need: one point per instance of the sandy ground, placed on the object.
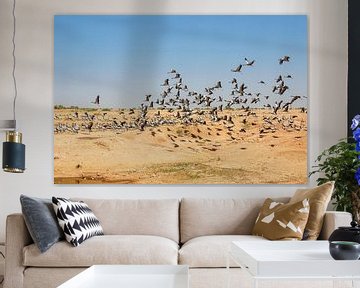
(241, 147)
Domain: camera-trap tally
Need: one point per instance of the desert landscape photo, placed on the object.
(264, 149)
(240, 119)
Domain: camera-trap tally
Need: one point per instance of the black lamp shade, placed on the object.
(13, 157)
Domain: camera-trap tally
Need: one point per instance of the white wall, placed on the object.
(327, 89)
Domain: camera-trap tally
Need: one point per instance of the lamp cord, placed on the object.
(14, 59)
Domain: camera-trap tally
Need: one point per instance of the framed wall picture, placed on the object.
(180, 99)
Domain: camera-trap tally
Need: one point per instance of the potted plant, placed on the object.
(341, 163)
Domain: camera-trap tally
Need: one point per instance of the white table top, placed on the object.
(291, 259)
(131, 276)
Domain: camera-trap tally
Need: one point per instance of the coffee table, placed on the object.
(131, 276)
(292, 260)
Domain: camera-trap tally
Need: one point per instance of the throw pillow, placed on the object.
(319, 198)
(41, 222)
(77, 220)
(279, 221)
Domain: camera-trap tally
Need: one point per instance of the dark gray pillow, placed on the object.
(41, 221)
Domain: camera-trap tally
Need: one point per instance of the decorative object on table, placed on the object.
(351, 233)
(139, 104)
(77, 220)
(344, 250)
(319, 198)
(41, 221)
(13, 149)
(279, 221)
(341, 163)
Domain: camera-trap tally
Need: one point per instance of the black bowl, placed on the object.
(344, 250)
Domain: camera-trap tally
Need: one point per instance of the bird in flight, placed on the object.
(218, 85)
(282, 89)
(166, 83)
(97, 100)
(237, 69)
(284, 59)
(249, 63)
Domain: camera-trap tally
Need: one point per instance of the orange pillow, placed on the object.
(279, 221)
(319, 198)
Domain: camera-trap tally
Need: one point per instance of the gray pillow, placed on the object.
(41, 221)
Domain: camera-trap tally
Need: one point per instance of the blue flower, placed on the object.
(357, 176)
(355, 126)
(355, 122)
(356, 134)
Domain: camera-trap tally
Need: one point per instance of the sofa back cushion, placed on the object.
(200, 217)
(158, 217)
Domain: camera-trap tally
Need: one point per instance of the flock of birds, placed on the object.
(178, 104)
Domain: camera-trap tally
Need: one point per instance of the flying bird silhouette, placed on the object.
(166, 83)
(284, 59)
(97, 100)
(249, 63)
(177, 76)
(218, 85)
(237, 69)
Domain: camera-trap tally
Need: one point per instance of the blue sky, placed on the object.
(124, 57)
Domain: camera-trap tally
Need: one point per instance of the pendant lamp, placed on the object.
(13, 160)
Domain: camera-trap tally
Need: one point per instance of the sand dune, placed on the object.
(241, 147)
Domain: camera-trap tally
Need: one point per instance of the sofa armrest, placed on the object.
(333, 220)
(17, 237)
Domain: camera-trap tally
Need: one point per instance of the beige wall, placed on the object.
(327, 89)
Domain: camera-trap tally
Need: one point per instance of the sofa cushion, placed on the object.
(279, 221)
(107, 249)
(158, 217)
(201, 217)
(76, 220)
(211, 251)
(319, 198)
(41, 221)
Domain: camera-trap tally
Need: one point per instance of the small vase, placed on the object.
(343, 250)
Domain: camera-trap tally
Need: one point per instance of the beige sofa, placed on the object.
(194, 232)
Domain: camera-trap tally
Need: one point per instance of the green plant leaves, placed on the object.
(339, 163)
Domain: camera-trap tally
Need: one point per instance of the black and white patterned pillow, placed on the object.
(77, 220)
